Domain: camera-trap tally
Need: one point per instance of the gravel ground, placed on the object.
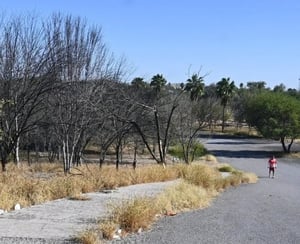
(266, 212)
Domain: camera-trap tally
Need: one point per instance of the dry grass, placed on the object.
(199, 175)
(139, 213)
(90, 237)
(133, 214)
(225, 168)
(201, 182)
(108, 228)
(45, 182)
(249, 178)
(79, 197)
(199, 185)
(209, 158)
(183, 196)
(294, 155)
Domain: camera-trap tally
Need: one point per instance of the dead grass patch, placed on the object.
(79, 197)
(133, 214)
(294, 155)
(108, 228)
(29, 185)
(199, 175)
(225, 168)
(90, 237)
(183, 196)
(209, 158)
(249, 178)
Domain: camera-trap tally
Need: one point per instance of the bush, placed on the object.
(226, 168)
(176, 151)
(183, 196)
(199, 175)
(135, 214)
(197, 151)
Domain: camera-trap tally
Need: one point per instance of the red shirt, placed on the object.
(272, 163)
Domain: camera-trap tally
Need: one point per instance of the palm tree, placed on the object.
(195, 85)
(225, 90)
(157, 82)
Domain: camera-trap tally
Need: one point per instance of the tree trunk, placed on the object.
(3, 164)
(283, 144)
(66, 155)
(101, 158)
(117, 157)
(28, 156)
(4, 157)
(286, 149)
(134, 158)
(158, 137)
(290, 145)
(118, 152)
(223, 118)
(145, 141)
(17, 149)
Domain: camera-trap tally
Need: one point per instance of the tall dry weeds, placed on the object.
(45, 182)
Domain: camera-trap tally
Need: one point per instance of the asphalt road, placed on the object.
(265, 212)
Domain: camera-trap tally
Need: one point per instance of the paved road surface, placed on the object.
(266, 212)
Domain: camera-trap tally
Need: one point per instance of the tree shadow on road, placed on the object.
(241, 153)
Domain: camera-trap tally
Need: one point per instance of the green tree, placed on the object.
(275, 115)
(139, 82)
(195, 85)
(256, 85)
(294, 93)
(279, 88)
(225, 91)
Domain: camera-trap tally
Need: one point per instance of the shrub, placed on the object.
(89, 237)
(183, 196)
(200, 175)
(196, 151)
(199, 150)
(108, 229)
(176, 151)
(135, 214)
(226, 168)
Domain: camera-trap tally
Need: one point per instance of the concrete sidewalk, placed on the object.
(61, 220)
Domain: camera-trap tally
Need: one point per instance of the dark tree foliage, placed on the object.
(275, 115)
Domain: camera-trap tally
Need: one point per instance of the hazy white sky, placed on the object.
(248, 40)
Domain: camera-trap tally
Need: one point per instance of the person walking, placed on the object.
(272, 166)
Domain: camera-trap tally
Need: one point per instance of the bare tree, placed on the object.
(154, 117)
(86, 68)
(25, 79)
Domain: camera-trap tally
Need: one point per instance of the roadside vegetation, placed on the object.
(65, 99)
(199, 184)
(62, 90)
(36, 184)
